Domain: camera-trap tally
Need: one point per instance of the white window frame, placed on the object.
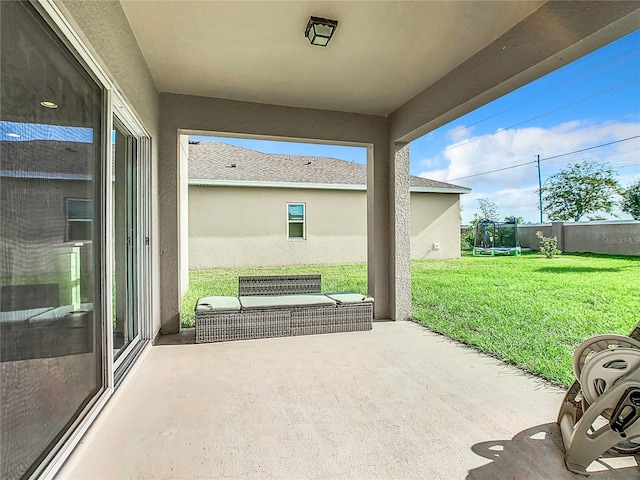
(70, 220)
(303, 222)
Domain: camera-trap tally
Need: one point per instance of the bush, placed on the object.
(466, 241)
(631, 200)
(548, 245)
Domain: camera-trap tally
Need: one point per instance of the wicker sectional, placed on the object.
(279, 306)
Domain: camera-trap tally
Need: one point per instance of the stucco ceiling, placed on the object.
(383, 52)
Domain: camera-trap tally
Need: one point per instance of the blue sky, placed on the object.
(593, 101)
(590, 102)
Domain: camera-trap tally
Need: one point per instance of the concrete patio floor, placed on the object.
(395, 402)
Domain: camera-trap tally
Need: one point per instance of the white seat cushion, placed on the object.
(284, 301)
(218, 304)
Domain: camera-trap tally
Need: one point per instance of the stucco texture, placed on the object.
(246, 227)
(609, 237)
(435, 226)
(185, 114)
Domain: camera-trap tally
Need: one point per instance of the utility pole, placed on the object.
(540, 189)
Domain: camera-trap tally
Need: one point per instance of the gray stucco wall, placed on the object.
(104, 29)
(612, 238)
(183, 215)
(400, 241)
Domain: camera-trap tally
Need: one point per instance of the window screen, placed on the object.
(51, 359)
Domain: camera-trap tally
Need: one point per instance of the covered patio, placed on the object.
(394, 402)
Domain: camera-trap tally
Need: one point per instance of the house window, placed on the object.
(79, 220)
(296, 220)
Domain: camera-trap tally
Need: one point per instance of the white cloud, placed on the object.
(428, 162)
(521, 202)
(460, 133)
(514, 189)
(440, 175)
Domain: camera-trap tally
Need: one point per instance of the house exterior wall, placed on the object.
(183, 216)
(435, 226)
(247, 227)
(45, 226)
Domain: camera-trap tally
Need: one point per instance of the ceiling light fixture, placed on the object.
(48, 104)
(320, 30)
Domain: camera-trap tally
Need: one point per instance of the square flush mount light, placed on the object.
(320, 30)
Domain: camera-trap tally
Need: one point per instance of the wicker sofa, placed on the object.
(279, 306)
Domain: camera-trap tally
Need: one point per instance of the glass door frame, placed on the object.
(142, 160)
(140, 240)
(113, 104)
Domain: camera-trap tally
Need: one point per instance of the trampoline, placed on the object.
(496, 238)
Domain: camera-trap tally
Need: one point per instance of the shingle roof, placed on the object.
(214, 160)
(46, 159)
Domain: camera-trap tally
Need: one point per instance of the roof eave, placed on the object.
(205, 182)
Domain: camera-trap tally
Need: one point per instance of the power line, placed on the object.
(544, 159)
(458, 145)
(491, 171)
(591, 148)
(566, 84)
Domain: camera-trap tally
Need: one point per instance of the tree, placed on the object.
(579, 190)
(513, 218)
(488, 210)
(631, 200)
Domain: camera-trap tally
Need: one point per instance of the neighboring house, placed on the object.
(248, 208)
(47, 197)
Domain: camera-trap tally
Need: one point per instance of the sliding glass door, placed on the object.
(52, 356)
(128, 230)
(74, 246)
(126, 240)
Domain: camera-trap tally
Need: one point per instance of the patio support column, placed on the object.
(400, 232)
(183, 216)
(378, 229)
(169, 206)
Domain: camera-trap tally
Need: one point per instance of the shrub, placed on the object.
(548, 245)
(631, 200)
(466, 241)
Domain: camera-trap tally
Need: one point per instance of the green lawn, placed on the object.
(528, 310)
